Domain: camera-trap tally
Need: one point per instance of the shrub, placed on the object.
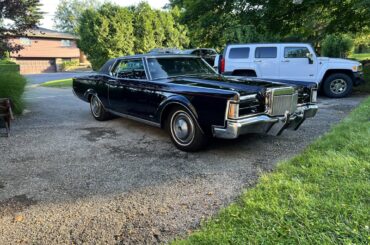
(338, 46)
(8, 66)
(69, 64)
(12, 86)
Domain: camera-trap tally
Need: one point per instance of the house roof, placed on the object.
(43, 32)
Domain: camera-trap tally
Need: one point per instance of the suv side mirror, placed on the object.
(310, 58)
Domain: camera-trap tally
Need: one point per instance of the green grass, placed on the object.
(322, 196)
(365, 56)
(12, 86)
(63, 83)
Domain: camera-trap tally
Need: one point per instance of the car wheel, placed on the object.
(338, 86)
(184, 131)
(97, 109)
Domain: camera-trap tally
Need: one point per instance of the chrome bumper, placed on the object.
(265, 123)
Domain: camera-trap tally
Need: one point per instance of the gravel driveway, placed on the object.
(68, 179)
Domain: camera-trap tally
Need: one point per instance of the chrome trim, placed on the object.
(248, 97)
(154, 124)
(273, 125)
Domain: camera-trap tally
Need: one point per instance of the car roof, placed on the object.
(139, 56)
(246, 44)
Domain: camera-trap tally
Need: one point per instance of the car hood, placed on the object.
(338, 61)
(242, 85)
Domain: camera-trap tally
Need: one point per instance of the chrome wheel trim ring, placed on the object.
(95, 106)
(338, 86)
(182, 128)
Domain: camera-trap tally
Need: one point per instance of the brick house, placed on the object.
(44, 51)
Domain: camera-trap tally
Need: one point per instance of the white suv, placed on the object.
(291, 61)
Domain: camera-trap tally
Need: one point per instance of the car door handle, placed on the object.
(285, 61)
(257, 61)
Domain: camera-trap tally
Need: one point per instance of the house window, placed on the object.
(25, 41)
(66, 43)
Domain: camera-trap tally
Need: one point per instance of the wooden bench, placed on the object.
(6, 114)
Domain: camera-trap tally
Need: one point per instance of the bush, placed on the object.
(12, 86)
(69, 64)
(8, 66)
(338, 46)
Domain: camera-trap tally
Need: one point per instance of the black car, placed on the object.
(184, 95)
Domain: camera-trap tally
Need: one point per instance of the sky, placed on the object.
(49, 7)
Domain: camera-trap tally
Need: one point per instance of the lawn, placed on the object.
(63, 83)
(365, 56)
(321, 196)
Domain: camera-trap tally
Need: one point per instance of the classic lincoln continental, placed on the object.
(185, 96)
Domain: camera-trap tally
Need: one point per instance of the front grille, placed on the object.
(281, 100)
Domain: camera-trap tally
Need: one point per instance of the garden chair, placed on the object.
(6, 114)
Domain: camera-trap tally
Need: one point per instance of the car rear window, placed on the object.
(266, 52)
(239, 53)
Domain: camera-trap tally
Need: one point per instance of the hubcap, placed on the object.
(95, 106)
(338, 86)
(182, 128)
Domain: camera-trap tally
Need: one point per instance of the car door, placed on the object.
(295, 65)
(266, 61)
(130, 91)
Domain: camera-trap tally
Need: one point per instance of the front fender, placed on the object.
(175, 100)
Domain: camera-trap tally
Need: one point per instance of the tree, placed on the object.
(216, 22)
(106, 33)
(69, 12)
(16, 18)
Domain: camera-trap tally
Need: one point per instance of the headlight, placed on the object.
(314, 95)
(233, 112)
(357, 68)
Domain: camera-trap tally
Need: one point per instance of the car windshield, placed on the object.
(165, 67)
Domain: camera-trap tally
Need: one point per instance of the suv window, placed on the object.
(130, 69)
(296, 52)
(266, 52)
(239, 53)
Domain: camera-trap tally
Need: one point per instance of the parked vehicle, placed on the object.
(208, 54)
(184, 95)
(291, 61)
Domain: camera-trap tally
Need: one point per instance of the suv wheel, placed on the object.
(338, 86)
(184, 131)
(97, 109)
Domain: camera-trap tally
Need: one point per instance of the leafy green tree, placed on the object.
(145, 35)
(338, 46)
(16, 18)
(106, 33)
(69, 12)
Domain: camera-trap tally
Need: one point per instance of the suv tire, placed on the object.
(338, 85)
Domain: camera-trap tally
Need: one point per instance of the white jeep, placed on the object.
(291, 61)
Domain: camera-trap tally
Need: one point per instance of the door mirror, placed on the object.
(310, 58)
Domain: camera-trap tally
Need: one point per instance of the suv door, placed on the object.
(266, 61)
(295, 65)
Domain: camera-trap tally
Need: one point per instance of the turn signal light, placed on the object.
(233, 111)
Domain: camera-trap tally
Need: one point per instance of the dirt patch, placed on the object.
(96, 134)
(15, 204)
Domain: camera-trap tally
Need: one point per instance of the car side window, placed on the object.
(266, 52)
(130, 69)
(296, 52)
(239, 53)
